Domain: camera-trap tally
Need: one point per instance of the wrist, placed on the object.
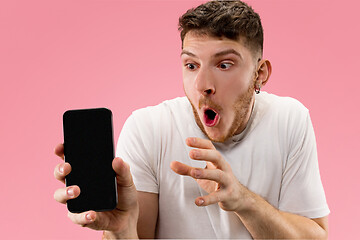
(247, 203)
(126, 230)
(107, 235)
(129, 232)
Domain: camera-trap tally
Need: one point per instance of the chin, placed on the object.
(215, 135)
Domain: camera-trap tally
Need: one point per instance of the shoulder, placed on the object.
(286, 111)
(158, 118)
(281, 104)
(289, 117)
(165, 108)
(285, 114)
(146, 127)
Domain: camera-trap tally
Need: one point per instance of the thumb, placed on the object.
(122, 170)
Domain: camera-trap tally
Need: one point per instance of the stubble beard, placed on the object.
(241, 108)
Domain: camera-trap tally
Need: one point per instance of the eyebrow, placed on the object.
(228, 51)
(187, 53)
(219, 54)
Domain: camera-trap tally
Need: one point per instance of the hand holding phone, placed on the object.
(118, 223)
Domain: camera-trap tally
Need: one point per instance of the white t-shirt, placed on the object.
(275, 157)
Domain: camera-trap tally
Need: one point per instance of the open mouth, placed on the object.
(211, 117)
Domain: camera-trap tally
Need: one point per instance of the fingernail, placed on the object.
(61, 169)
(70, 192)
(88, 217)
(190, 140)
(195, 153)
(197, 173)
(201, 202)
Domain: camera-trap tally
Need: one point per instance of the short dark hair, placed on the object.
(230, 19)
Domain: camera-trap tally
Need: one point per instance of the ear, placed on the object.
(263, 73)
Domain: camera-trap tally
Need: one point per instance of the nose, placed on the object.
(204, 82)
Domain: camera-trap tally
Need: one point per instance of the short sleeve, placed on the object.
(302, 191)
(136, 146)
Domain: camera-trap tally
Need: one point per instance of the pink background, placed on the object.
(59, 55)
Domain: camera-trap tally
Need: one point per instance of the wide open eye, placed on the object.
(225, 65)
(191, 66)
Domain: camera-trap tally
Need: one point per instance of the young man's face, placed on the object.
(218, 77)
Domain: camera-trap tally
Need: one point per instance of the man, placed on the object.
(253, 156)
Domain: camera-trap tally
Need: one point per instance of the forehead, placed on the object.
(205, 45)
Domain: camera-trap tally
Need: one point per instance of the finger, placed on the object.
(181, 168)
(61, 195)
(212, 198)
(91, 219)
(59, 150)
(61, 171)
(209, 155)
(85, 219)
(122, 170)
(199, 143)
(216, 175)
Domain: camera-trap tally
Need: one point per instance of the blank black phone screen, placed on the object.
(89, 148)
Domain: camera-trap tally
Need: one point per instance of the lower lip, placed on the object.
(209, 122)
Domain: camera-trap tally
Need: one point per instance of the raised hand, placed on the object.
(217, 178)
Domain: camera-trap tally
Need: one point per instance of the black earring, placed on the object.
(257, 90)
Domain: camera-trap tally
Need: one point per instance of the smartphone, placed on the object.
(89, 148)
